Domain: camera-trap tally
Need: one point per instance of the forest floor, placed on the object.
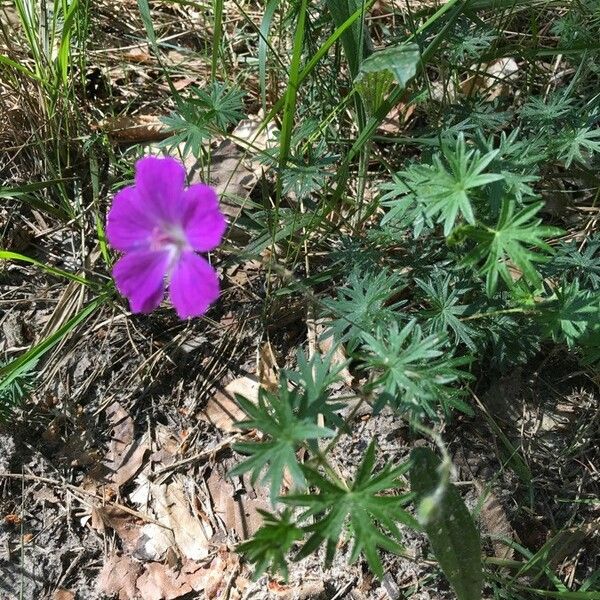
(113, 473)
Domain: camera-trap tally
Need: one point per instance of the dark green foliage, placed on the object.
(578, 144)
(363, 304)
(15, 392)
(570, 313)
(459, 267)
(412, 372)
(286, 421)
(206, 112)
(446, 189)
(315, 377)
(271, 544)
(509, 241)
(508, 340)
(572, 262)
(448, 524)
(443, 314)
(368, 507)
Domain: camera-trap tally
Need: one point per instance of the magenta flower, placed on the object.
(159, 225)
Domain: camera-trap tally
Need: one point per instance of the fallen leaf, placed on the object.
(326, 346)
(125, 456)
(125, 525)
(139, 55)
(131, 464)
(267, 368)
(176, 523)
(251, 135)
(223, 411)
(492, 79)
(233, 178)
(118, 577)
(62, 594)
(160, 582)
(133, 129)
(237, 505)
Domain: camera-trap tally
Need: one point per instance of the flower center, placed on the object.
(169, 237)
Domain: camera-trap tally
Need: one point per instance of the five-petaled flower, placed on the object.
(159, 225)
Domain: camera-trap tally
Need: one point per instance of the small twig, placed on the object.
(198, 456)
(77, 490)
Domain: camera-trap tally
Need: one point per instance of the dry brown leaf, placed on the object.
(237, 506)
(118, 577)
(125, 456)
(326, 346)
(495, 523)
(62, 594)
(267, 368)
(223, 411)
(139, 55)
(249, 135)
(212, 579)
(122, 431)
(492, 79)
(180, 529)
(125, 525)
(160, 582)
(134, 129)
(131, 464)
(229, 174)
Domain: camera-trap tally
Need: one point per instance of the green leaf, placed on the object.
(510, 241)
(269, 547)
(444, 312)
(206, 112)
(26, 361)
(412, 371)
(447, 188)
(578, 145)
(363, 304)
(356, 39)
(285, 427)
(7, 255)
(401, 61)
(449, 526)
(366, 506)
(570, 313)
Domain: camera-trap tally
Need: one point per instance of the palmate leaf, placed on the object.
(362, 304)
(570, 262)
(366, 507)
(206, 111)
(315, 376)
(571, 313)
(466, 172)
(285, 428)
(510, 241)
(444, 311)
(447, 188)
(412, 371)
(578, 144)
(400, 60)
(269, 547)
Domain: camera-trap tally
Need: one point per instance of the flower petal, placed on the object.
(128, 226)
(140, 277)
(159, 183)
(194, 286)
(204, 225)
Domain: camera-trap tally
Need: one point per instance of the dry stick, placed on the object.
(76, 490)
(198, 456)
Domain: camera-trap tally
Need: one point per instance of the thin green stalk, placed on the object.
(217, 38)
